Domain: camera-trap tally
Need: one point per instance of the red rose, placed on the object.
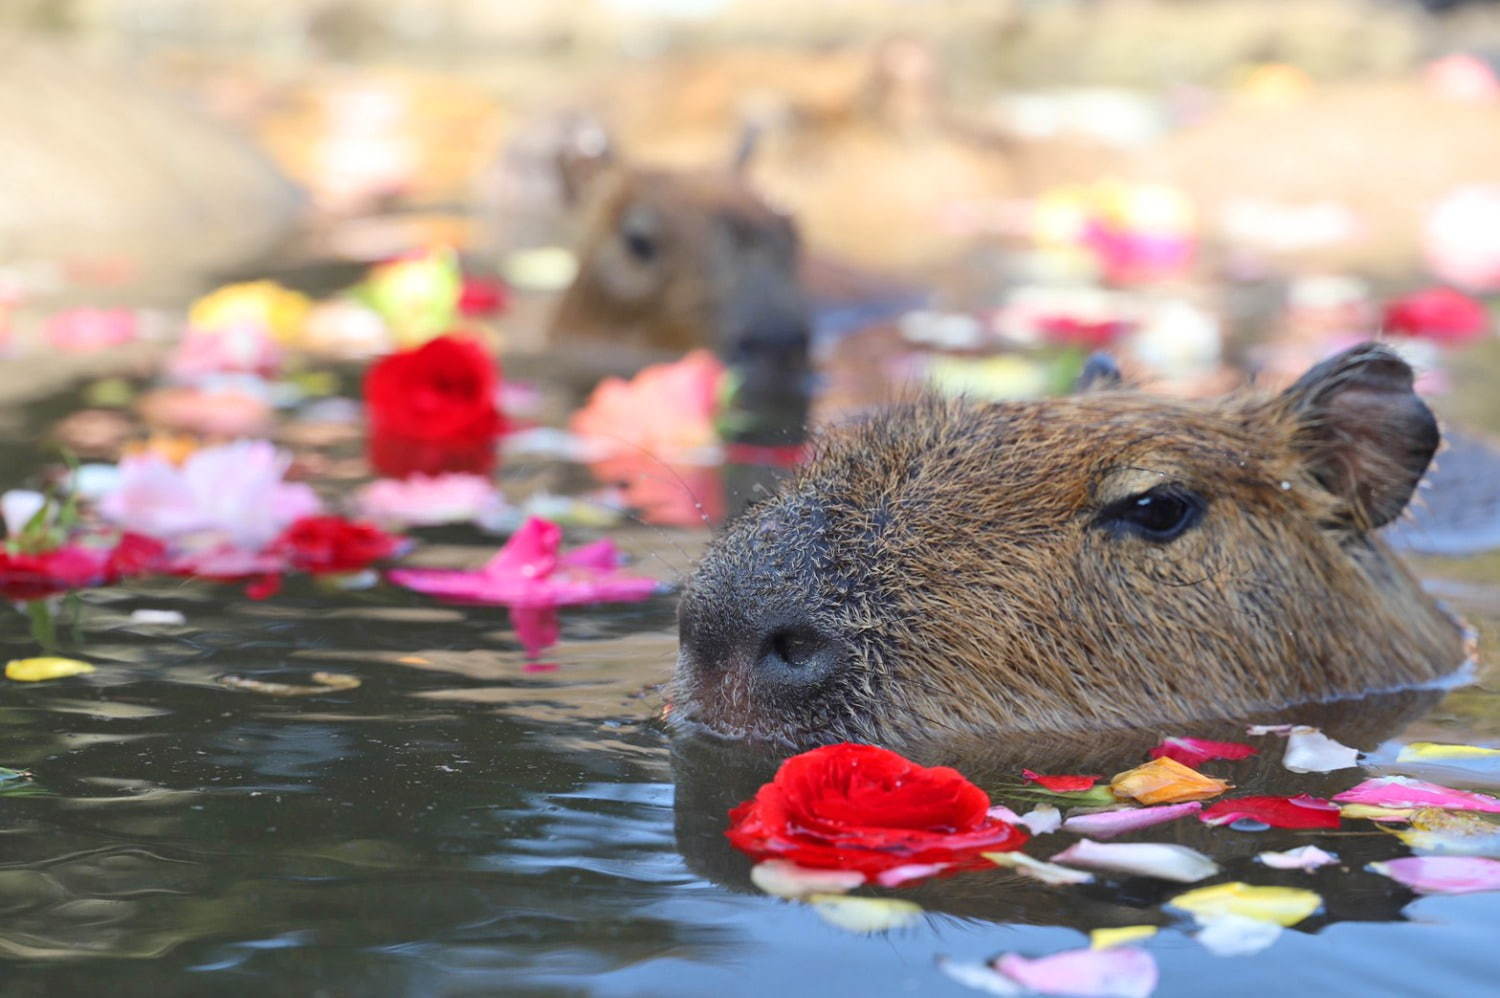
(1440, 314)
(136, 554)
(333, 544)
(432, 410)
(858, 807)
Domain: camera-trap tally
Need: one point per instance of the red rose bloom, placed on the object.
(320, 544)
(858, 807)
(1440, 314)
(432, 410)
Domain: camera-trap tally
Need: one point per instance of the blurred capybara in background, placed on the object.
(1107, 559)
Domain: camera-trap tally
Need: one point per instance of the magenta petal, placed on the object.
(1120, 972)
(601, 555)
(1108, 824)
(530, 553)
(1403, 791)
(1443, 874)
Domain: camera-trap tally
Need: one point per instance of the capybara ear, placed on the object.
(1100, 373)
(585, 152)
(1365, 434)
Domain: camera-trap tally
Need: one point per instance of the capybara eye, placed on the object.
(1160, 514)
(639, 242)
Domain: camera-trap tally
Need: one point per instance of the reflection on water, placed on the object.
(465, 823)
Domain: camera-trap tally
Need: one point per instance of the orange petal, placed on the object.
(1165, 781)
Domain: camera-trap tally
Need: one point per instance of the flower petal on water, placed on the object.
(34, 670)
(1466, 833)
(910, 872)
(1061, 784)
(1403, 791)
(1122, 972)
(1439, 752)
(1372, 812)
(1144, 859)
(1269, 729)
(1236, 935)
(865, 915)
(1047, 873)
(1281, 905)
(1165, 781)
(978, 976)
(1042, 820)
(1119, 936)
(1302, 858)
(788, 880)
(1196, 751)
(1442, 874)
(1308, 750)
(1108, 824)
(1301, 811)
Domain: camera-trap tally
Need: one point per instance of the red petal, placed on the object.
(1301, 811)
(1061, 784)
(1195, 751)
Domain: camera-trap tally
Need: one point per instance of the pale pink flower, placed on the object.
(239, 348)
(428, 500)
(231, 494)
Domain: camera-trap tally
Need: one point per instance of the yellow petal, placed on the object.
(788, 880)
(857, 914)
(1106, 938)
(32, 670)
(1047, 873)
(1420, 751)
(1282, 905)
(1463, 833)
(1375, 812)
(1165, 781)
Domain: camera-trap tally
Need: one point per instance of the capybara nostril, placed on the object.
(795, 656)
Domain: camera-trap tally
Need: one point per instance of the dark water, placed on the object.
(463, 823)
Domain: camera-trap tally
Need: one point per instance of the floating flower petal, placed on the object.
(1119, 936)
(1042, 820)
(1308, 750)
(1437, 752)
(788, 880)
(35, 670)
(1165, 781)
(1196, 751)
(1443, 874)
(1108, 824)
(1301, 811)
(1281, 905)
(1467, 833)
(1061, 784)
(1144, 859)
(1306, 858)
(1047, 873)
(865, 915)
(1403, 791)
(978, 976)
(1121, 972)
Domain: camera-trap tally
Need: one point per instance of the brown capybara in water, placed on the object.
(1109, 559)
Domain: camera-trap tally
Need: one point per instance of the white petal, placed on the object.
(788, 880)
(1048, 873)
(1303, 858)
(1146, 859)
(978, 976)
(1308, 750)
(1042, 820)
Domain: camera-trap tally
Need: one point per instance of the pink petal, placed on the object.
(530, 553)
(1443, 874)
(536, 628)
(1121, 972)
(1403, 791)
(1306, 858)
(1196, 751)
(601, 555)
(1004, 814)
(1108, 824)
(898, 875)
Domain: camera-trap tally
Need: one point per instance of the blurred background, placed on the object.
(1210, 188)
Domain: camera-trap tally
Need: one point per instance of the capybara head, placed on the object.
(1107, 559)
(670, 260)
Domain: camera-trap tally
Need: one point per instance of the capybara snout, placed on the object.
(1110, 559)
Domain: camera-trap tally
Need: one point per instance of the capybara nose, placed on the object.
(794, 656)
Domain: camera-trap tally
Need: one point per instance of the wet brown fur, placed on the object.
(707, 228)
(953, 550)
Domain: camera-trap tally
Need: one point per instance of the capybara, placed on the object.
(1108, 559)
